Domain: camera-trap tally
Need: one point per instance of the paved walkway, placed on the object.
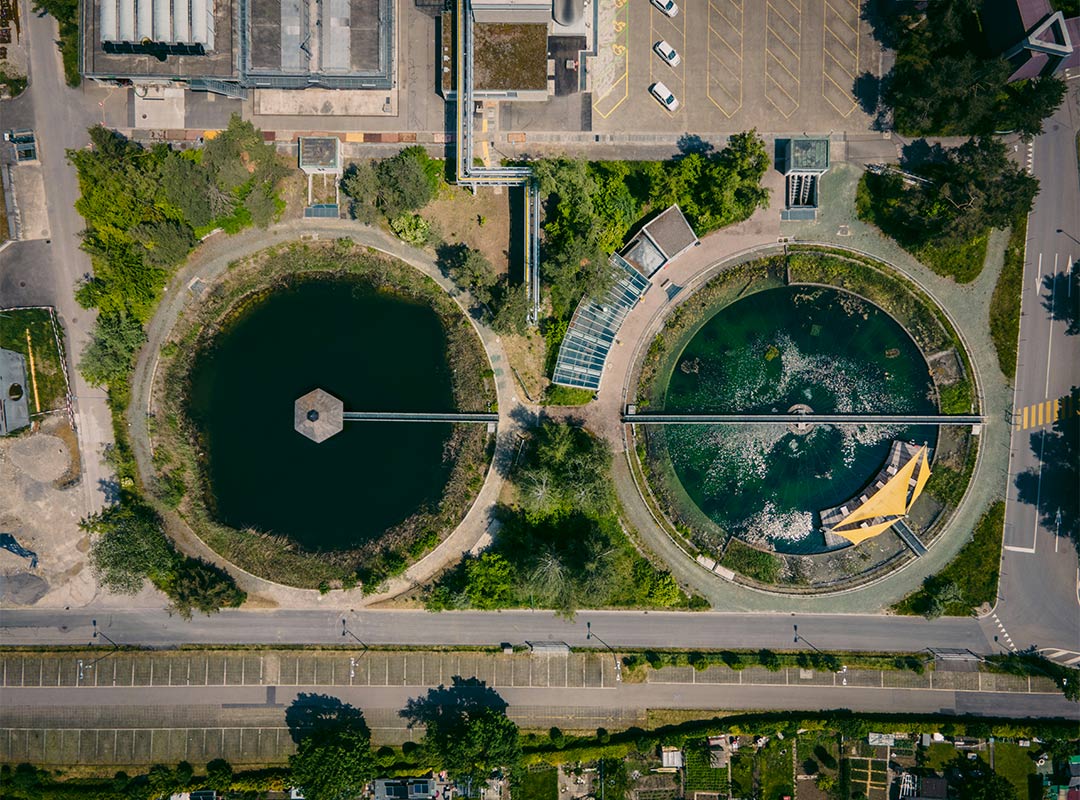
(208, 263)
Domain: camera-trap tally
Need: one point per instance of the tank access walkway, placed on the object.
(409, 416)
(633, 418)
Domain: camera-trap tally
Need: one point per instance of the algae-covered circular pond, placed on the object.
(375, 351)
(792, 347)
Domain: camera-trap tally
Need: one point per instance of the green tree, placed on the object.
(219, 775)
(186, 186)
(469, 269)
(361, 185)
(406, 182)
(109, 354)
(127, 546)
(511, 307)
(197, 585)
(166, 242)
(333, 762)
(987, 786)
(489, 581)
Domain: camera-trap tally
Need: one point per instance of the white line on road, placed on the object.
(1038, 274)
(1050, 336)
(1038, 491)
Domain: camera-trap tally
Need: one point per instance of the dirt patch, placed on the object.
(294, 193)
(41, 457)
(457, 214)
(526, 357)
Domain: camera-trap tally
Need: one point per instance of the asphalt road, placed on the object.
(619, 629)
(1038, 602)
(729, 698)
(46, 272)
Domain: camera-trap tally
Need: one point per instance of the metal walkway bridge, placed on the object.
(469, 174)
(805, 419)
(408, 416)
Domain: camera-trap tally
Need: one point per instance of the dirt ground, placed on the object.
(526, 357)
(40, 505)
(457, 213)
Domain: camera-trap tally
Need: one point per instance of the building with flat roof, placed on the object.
(802, 161)
(660, 241)
(1036, 40)
(230, 46)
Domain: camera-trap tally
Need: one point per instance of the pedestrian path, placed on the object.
(1045, 412)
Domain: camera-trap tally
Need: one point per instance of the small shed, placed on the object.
(320, 155)
(671, 757)
(660, 241)
(719, 752)
(881, 739)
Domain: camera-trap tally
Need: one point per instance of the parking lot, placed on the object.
(780, 66)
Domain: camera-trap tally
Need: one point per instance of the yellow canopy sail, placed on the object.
(891, 500)
(920, 482)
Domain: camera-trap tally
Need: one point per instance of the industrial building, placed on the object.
(230, 46)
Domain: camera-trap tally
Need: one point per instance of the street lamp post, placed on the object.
(590, 635)
(346, 632)
(804, 640)
(115, 647)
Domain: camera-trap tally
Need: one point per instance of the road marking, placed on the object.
(1050, 336)
(1038, 493)
(1038, 274)
(1045, 412)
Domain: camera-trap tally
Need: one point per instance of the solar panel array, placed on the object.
(594, 326)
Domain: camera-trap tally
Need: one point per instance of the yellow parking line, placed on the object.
(780, 39)
(780, 64)
(838, 13)
(843, 69)
(839, 41)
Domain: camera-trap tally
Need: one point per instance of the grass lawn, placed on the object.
(939, 755)
(962, 263)
(1005, 303)
(541, 784)
(1015, 765)
(742, 775)
(700, 777)
(48, 372)
(974, 570)
(775, 769)
(556, 395)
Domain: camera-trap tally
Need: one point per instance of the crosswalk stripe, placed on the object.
(1039, 413)
(1026, 409)
(1056, 410)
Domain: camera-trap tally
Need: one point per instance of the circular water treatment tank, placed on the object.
(781, 351)
(371, 350)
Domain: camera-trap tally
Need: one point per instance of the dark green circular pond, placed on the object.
(376, 352)
(767, 353)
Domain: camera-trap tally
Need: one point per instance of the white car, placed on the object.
(664, 95)
(667, 53)
(667, 7)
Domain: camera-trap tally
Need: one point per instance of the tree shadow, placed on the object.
(448, 706)
(886, 20)
(1051, 487)
(919, 154)
(692, 143)
(315, 713)
(1062, 299)
(110, 489)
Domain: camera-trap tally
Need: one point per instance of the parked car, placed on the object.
(664, 95)
(667, 53)
(667, 7)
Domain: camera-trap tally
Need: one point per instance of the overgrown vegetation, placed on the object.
(561, 545)
(130, 545)
(969, 580)
(749, 561)
(944, 215)
(66, 14)
(1005, 302)
(590, 207)
(11, 80)
(177, 446)
(1031, 662)
(144, 210)
(950, 79)
(26, 329)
